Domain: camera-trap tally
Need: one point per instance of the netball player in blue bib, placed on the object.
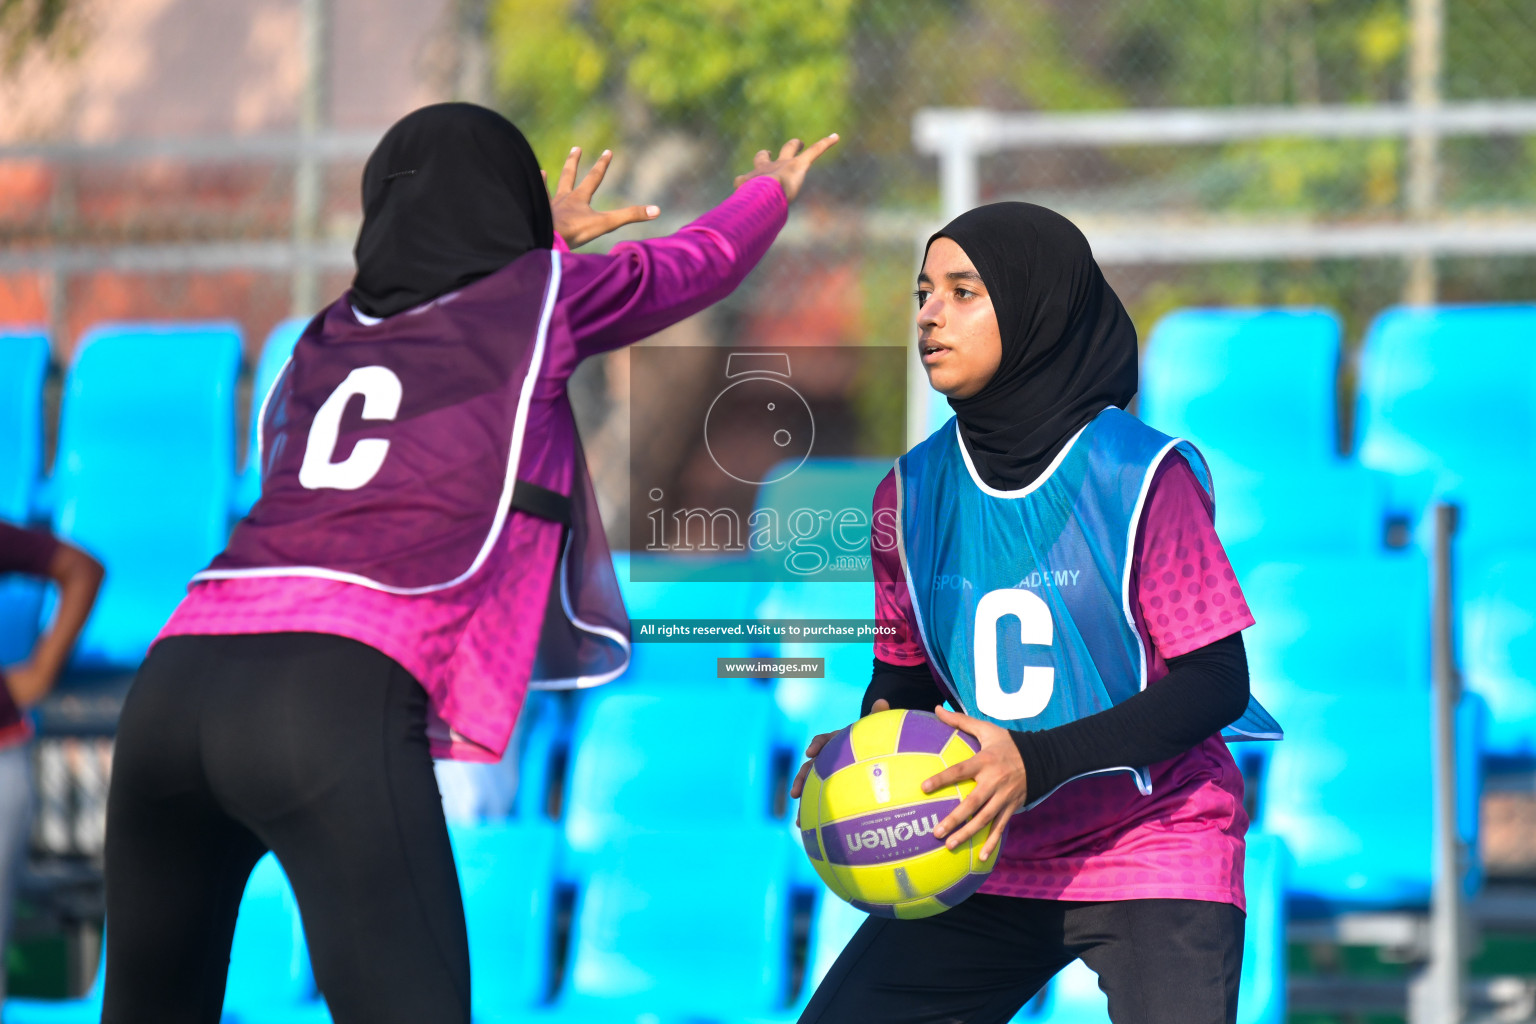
(1063, 588)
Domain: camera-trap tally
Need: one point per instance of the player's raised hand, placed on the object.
(790, 166)
(574, 217)
(814, 747)
(1000, 789)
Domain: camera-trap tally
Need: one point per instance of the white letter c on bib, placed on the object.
(381, 391)
(1034, 628)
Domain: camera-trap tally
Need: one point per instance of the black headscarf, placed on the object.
(1069, 349)
(450, 194)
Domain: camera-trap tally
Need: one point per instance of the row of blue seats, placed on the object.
(688, 925)
(1335, 848)
(684, 908)
(695, 922)
(1389, 582)
(1446, 412)
(1445, 409)
(620, 782)
(1340, 654)
(685, 871)
(144, 473)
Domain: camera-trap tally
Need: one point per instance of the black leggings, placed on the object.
(313, 747)
(1159, 961)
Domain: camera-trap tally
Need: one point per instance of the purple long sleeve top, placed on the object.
(472, 647)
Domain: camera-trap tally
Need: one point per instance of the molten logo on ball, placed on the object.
(892, 836)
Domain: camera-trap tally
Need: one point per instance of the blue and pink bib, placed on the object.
(1023, 597)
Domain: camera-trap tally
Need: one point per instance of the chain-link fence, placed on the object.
(685, 122)
(684, 91)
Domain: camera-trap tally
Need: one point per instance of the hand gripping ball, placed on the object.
(868, 826)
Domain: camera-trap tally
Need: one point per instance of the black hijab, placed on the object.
(1069, 349)
(450, 194)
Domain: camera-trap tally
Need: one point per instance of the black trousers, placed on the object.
(313, 747)
(1159, 961)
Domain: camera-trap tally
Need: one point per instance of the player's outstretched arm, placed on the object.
(578, 223)
(814, 747)
(574, 217)
(790, 165)
(649, 285)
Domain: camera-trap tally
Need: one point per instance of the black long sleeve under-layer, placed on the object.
(1204, 691)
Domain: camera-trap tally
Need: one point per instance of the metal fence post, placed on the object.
(307, 180)
(1425, 63)
(1445, 992)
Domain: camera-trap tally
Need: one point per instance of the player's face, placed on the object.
(957, 335)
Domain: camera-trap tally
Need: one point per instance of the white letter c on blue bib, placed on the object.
(381, 393)
(1034, 628)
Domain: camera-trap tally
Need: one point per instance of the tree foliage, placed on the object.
(742, 74)
(25, 24)
(731, 76)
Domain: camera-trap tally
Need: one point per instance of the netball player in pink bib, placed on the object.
(1064, 589)
(426, 547)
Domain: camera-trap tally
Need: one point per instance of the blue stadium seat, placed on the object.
(1257, 385)
(1340, 654)
(834, 537)
(1074, 996)
(1261, 996)
(831, 929)
(1498, 650)
(507, 875)
(646, 762)
(1448, 407)
(274, 355)
(1334, 509)
(685, 926)
(735, 588)
(674, 586)
(548, 730)
(834, 487)
(677, 587)
(833, 923)
(268, 962)
(1494, 514)
(23, 365)
(1255, 391)
(21, 605)
(145, 471)
(811, 706)
(517, 785)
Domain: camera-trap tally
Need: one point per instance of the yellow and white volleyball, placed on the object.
(868, 826)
